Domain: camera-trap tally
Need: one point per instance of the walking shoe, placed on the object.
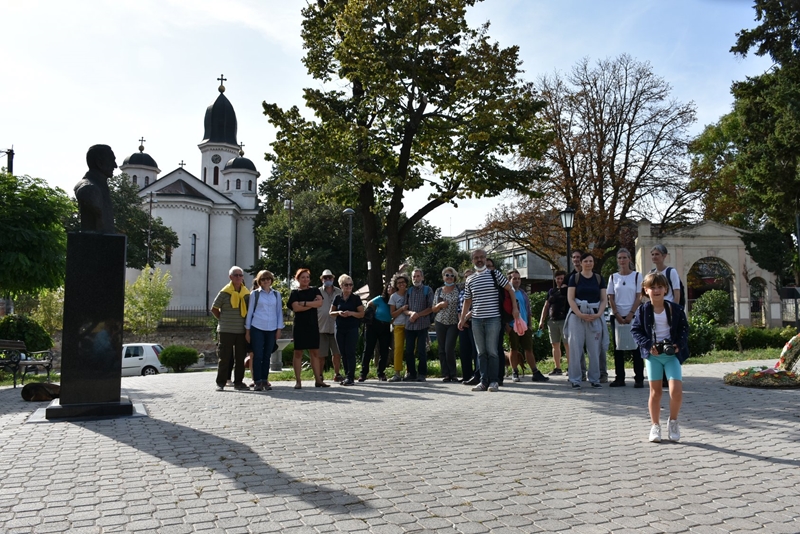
(583, 376)
(604, 378)
(241, 387)
(421, 379)
(556, 372)
(617, 384)
(638, 384)
(220, 388)
(493, 387)
(409, 378)
(348, 382)
(474, 381)
(258, 387)
(447, 379)
(596, 385)
(673, 431)
(338, 378)
(576, 385)
(396, 378)
(655, 433)
(229, 383)
(362, 378)
(382, 377)
(538, 377)
(479, 387)
(515, 377)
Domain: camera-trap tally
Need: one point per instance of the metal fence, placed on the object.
(200, 317)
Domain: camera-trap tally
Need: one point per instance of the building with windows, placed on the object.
(213, 215)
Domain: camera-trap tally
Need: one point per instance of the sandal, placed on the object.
(321, 385)
(298, 386)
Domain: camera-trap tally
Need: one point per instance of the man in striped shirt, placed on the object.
(481, 293)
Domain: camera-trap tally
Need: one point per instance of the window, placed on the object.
(507, 263)
(521, 260)
(194, 250)
(473, 243)
(216, 175)
(205, 175)
(134, 352)
(462, 245)
(238, 183)
(227, 185)
(250, 185)
(135, 180)
(146, 180)
(168, 256)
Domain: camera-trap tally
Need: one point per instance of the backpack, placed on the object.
(681, 289)
(369, 315)
(425, 290)
(596, 277)
(504, 299)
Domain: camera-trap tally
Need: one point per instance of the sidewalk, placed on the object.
(406, 457)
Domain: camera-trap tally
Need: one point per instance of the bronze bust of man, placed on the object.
(94, 199)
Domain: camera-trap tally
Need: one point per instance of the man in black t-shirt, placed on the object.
(554, 312)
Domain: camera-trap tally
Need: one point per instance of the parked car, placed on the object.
(141, 359)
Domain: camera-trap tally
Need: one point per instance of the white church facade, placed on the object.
(213, 214)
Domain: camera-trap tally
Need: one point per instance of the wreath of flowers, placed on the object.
(783, 375)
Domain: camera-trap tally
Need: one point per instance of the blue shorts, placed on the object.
(663, 363)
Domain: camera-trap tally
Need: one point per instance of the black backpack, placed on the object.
(682, 289)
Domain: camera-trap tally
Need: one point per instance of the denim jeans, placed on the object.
(347, 339)
(416, 340)
(486, 333)
(262, 342)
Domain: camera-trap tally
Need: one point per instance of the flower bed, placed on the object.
(783, 375)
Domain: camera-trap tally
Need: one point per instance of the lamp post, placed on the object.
(151, 194)
(288, 205)
(350, 212)
(567, 220)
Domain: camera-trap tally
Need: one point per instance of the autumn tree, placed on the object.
(618, 155)
(408, 96)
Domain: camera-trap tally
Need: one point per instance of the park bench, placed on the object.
(15, 357)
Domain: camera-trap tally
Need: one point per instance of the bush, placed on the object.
(178, 357)
(752, 338)
(23, 328)
(714, 305)
(702, 333)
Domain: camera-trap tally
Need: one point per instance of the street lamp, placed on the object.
(567, 220)
(350, 212)
(151, 194)
(288, 205)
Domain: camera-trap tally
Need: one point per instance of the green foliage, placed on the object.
(23, 328)
(131, 219)
(701, 336)
(747, 338)
(145, 301)
(33, 241)
(178, 357)
(714, 306)
(435, 256)
(538, 300)
(50, 311)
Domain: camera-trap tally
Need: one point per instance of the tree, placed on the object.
(33, 243)
(131, 219)
(50, 311)
(409, 96)
(618, 155)
(145, 301)
(435, 256)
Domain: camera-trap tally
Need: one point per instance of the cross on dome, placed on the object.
(141, 144)
(222, 79)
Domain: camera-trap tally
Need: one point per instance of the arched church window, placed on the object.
(146, 180)
(194, 250)
(216, 175)
(227, 185)
(205, 175)
(168, 256)
(135, 180)
(250, 185)
(238, 183)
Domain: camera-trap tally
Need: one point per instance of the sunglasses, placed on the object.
(448, 275)
(237, 275)
(347, 285)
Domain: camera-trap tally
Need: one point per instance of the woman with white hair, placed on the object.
(348, 310)
(446, 322)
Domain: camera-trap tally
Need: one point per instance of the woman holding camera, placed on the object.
(662, 333)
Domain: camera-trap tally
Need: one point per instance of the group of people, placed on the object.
(477, 313)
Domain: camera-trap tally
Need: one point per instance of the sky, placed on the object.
(114, 71)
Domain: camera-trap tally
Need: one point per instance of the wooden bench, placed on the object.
(15, 357)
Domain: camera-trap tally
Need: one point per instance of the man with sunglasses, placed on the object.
(230, 309)
(327, 323)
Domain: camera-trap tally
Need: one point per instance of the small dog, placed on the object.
(39, 392)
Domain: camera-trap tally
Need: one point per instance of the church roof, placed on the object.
(140, 158)
(182, 188)
(220, 121)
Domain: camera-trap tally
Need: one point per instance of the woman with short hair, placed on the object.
(446, 323)
(304, 302)
(398, 305)
(348, 310)
(624, 297)
(263, 326)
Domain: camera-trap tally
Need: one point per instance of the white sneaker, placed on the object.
(655, 433)
(673, 431)
(493, 387)
(515, 377)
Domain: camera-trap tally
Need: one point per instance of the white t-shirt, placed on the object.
(674, 280)
(398, 301)
(624, 289)
(662, 325)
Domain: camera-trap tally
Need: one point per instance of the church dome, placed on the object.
(141, 159)
(240, 163)
(220, 121)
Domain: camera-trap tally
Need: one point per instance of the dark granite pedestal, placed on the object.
(94, 303)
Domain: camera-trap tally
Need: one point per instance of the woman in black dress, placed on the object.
(304, 302)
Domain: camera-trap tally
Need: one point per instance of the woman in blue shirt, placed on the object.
(378, 332)
(263, 326)
(584, 325)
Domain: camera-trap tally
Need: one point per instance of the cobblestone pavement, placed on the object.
(386, 458)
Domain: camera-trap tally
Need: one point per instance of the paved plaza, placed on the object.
(399, 457)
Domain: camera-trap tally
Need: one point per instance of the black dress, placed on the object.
(306, 326)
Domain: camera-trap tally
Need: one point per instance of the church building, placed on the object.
(213, 215)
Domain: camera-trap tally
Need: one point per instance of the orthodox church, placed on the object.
(213, 215)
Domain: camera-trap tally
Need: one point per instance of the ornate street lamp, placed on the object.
(567, 220)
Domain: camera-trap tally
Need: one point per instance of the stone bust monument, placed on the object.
(94, 199)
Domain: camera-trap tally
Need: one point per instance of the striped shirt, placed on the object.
(480, 287)
(230, 319)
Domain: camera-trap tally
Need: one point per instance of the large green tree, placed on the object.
(408, 96)
(33, 242)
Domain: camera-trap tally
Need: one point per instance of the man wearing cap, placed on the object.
(327, 322)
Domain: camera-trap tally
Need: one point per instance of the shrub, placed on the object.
(714, 305)
(23, 328)
(731, 338)
(178, 357)
(701, 335)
